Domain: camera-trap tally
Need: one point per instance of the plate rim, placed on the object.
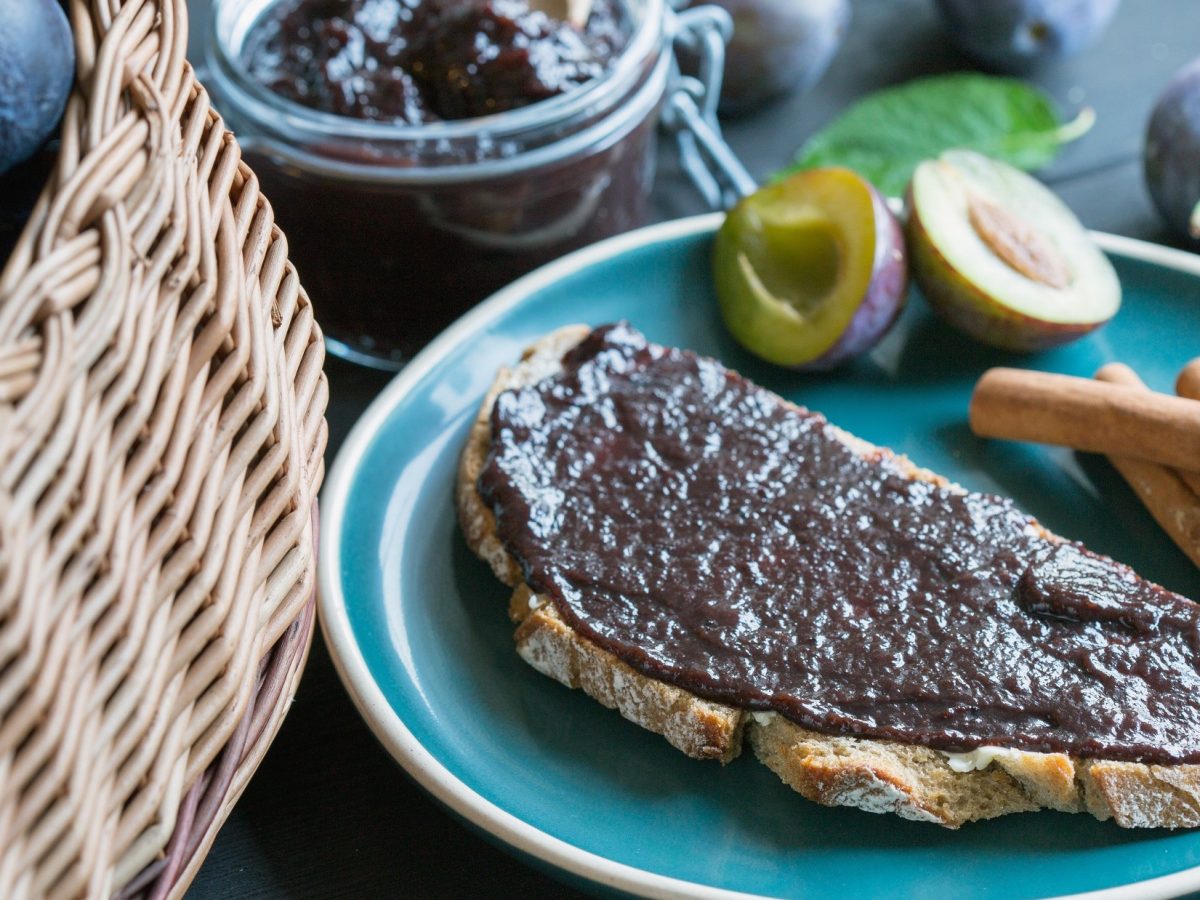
(388, 727)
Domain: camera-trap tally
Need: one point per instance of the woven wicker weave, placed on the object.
(161, 437)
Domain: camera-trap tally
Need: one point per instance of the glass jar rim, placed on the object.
(231, 23)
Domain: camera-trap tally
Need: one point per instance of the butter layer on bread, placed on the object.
(875, 775)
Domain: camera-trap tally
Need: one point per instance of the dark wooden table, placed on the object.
(330, 814)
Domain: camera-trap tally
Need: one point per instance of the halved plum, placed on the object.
(998, 255)
(811, 271)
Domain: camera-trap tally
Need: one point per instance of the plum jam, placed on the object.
(419, 61)
(421, 154)
(716, 537)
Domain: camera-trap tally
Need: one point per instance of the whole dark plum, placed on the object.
(1172, 151)
(1016, 34)
(37, 69)
(778, 46)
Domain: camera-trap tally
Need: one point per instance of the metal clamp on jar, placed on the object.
(399, 228)
(690, 112)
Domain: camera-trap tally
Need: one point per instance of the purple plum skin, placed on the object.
(886, 294)
(778, 46)
(1014, 35)
(37, 70)
(1172, 151)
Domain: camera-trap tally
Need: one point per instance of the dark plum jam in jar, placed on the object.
(421, 154)
(419, 61)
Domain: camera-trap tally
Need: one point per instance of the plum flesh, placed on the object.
(37, 69)
(1172, 151)
(1000, 257)
(1016, 34)
(811, 272)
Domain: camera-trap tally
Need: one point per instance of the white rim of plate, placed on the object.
(388, 726)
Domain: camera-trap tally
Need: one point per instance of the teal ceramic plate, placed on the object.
(418, 627)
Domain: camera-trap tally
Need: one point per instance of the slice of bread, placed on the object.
(914, 782)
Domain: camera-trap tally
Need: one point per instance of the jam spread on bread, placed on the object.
(716, 537)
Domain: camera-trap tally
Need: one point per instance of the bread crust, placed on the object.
(878, 776)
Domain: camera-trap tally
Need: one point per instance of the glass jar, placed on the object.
(397, 229)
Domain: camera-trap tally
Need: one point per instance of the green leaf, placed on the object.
(886, 134)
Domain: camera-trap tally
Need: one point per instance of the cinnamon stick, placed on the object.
(1119, 373)
(1170, 497)
(1112, 419)
(1188, 383)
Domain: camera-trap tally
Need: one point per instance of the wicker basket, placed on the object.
(161, 437)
